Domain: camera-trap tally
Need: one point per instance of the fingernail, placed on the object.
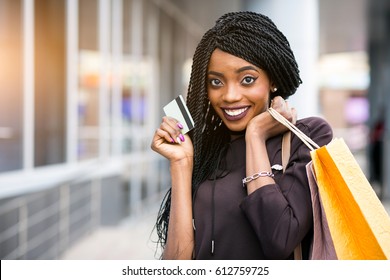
(172, 140)
(181, 136)
(179, 125)
(178, 140)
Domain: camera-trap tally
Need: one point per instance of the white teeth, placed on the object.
(236, 112)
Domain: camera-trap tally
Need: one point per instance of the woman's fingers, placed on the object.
(167, 134)
(283, 107)
(294, 115)
(278, 103)
(172, 129)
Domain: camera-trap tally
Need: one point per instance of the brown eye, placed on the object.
(248, 80)
(215, 82)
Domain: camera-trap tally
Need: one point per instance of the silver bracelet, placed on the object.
(255, 176)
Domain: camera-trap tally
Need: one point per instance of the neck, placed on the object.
(237, 134)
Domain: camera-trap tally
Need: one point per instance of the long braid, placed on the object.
(254, 38)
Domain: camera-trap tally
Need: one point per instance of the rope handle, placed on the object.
(286, 149)
(304, 138)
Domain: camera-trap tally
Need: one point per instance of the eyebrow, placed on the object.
(215, 73)
(249, 67)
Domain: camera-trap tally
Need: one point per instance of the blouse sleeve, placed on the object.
(281, 213)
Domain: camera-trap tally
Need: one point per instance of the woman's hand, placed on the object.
(265, 126)
(170, 143)
(178, 149)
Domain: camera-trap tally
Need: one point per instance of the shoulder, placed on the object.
(313, 123)
(318, 129)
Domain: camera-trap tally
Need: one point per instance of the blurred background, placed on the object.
(82, 86)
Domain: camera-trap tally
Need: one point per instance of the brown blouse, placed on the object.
(269, 223)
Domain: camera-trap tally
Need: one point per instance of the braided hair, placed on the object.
(254, 38)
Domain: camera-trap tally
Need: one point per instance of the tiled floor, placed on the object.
(132, 240)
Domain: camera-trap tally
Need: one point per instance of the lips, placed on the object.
(235, 114)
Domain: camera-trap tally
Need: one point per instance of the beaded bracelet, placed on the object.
(255, 176)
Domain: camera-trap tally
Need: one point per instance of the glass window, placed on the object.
(50, 75)
(139, 67)
(128, 75)
(11, 85)
(89, 80)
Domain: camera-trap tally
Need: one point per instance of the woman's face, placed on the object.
(237, 89)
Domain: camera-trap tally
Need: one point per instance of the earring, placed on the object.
(275, 89)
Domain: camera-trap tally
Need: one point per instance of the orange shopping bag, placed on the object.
(349, 210)
(358, 222)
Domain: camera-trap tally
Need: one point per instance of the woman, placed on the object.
(241, 66)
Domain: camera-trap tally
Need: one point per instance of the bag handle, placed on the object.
(304, 138)
(286, 151)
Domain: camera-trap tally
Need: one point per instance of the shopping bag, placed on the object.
(322, 247)
(358, 222)
(349, 210)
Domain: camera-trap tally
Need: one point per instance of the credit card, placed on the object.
(177, 109)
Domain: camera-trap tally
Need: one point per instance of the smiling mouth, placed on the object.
(235, 112)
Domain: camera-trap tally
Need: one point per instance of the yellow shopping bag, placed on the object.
(345, 206)
(358, 222)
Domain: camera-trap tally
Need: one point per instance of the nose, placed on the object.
(232, 94)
